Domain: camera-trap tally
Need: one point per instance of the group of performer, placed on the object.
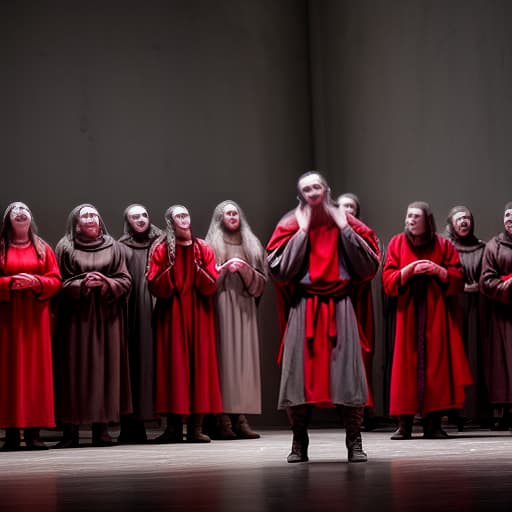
(163, 323)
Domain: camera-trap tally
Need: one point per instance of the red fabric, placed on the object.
(506, 278)
(26, 376)
(447, 369)
(325, 283)
(187, 379)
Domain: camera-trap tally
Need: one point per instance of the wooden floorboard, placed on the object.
(470, 471)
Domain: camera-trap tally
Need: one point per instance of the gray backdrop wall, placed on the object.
(197, 101)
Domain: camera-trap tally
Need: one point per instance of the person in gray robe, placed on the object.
(241, 261)
(316, 254)
(138, 236)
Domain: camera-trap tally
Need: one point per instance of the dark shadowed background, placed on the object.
(197, 101)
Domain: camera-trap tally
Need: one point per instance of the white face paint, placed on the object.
(89, 222)
(231, 217)
(461, 222)
(138, 219)
(507, 221)
(348, 204)
(415, 221)
(312, 189)
(20, 219)
(181, 218)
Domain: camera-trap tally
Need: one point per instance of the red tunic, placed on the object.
(187, 377)
(446, 370)
(26, 378)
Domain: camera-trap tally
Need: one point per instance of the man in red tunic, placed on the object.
(430, 369)
(316, 253)
(182, 276)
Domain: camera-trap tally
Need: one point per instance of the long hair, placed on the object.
(6, 232)
(251, 245)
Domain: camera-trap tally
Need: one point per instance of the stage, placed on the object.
(470, 471)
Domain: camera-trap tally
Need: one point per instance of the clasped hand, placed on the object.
(24, 281)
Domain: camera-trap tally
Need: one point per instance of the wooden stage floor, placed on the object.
(471, 471)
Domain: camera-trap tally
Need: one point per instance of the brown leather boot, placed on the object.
(224, 428)
(241, 427)
(299, 417)
(195, 429)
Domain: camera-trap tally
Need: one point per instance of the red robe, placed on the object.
(446, 370)
(187, 377)
(26, 377)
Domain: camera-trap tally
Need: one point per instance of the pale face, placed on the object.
(138, 219)
(461, 222)
(312, 189)
(507, 221)
(231, 217)
(415, 221)
(348, 204)
(20, 218)
(89, 222)
(181, 218)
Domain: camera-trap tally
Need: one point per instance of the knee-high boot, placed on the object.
(353, 419)
(299, 417)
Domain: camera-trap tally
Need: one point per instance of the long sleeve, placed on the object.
(159, 273)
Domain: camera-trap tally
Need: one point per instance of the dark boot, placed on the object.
(432, 426)
(12, 439)
(33, 439)
(173, 432)
(223, 428)
(70, 437)
(404, 430)
(299, 417)
(241, 427)
(195, 429)
(100, 435)
(353, 419)
(132, 431)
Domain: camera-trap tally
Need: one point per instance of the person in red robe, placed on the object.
(430, 369)
(182, 276)
(316, 254)
(29, 277)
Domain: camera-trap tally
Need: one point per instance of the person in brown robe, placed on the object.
(460, 226)
(496, 284)
(240, 258)
(138, 235)
(92, 374)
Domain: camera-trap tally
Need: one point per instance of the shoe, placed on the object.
(12, 440)
(299, 452)
(100, 435)
(436, 433)
(70, 437)
(356, 453)
(32, 439)
(401, 435)
(243, 430)
(67, 443)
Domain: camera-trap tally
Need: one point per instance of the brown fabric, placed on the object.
(91, 354)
